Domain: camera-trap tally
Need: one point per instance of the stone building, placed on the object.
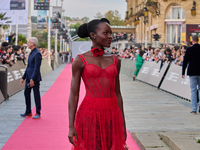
(174, 21)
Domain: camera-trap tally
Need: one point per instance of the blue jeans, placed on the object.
(194, 83)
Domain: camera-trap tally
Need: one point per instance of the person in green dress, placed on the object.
(139, 62)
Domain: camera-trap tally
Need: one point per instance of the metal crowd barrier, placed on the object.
(11, 76)
(168, 78)
(3, 83)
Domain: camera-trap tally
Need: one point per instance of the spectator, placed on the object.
(11, 54)
(139, 62)
(52, 58)
(167, 57)
(5, 57)
(11, 38)
(192, 61)
(2, 57)
(113, 50)
(178, 60)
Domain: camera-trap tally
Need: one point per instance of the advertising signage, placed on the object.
(41, 4)
(56, 17)
(17, 4)
(41, 19)
(192, 29)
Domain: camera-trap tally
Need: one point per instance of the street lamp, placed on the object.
(138, 20)
(193, 10)
(145, 11)
(135, 23)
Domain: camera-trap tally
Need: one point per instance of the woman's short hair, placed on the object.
(85, 29)
(33, 40)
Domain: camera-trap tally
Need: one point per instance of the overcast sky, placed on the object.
(89, 8)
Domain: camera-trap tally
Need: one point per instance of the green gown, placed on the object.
(139, 62)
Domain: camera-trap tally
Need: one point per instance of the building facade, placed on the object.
(173, 21)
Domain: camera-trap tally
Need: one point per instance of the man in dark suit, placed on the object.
(32, 76)
(191, 59)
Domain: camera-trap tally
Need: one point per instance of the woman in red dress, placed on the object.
(99, 123)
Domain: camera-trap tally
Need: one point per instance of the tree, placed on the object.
(74, 27)
(81, 39)
(34, 19)
(85, 19)
(76, 19)
(3, 18)
(99, 15)
(21, 39)
(113, 16)
(2, 26)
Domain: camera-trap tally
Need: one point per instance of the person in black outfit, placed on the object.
(11, 38)
(191, 59)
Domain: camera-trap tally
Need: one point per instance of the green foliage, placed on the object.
(81, 39)
(113, 16)
(74, 27)
(53, 44)
(42, 44)
(40, 35)
(85, 19)
(34, 19)
(42, 39)
(21, 39)
(2, 16)
(99, 15)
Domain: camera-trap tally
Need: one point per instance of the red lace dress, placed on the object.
(99, 122)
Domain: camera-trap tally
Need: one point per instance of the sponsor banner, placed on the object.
(56, 17)
(174, 83)
(1, 97)
(23, 14)
(17, 4)
(14, 76)
(192, 29)
(150, 74)
(80, 47)
(128, 67)
(41, 4)
(41, 19)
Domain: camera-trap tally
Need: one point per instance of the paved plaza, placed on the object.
(156, 119)
(161, 121)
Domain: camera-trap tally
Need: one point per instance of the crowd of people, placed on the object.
(164, 53)
(10, 54)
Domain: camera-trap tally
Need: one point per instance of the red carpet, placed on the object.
(51, 131)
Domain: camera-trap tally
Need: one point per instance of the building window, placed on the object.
(174, 18)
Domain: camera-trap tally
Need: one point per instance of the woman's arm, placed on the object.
(77, 67)
(119, 96)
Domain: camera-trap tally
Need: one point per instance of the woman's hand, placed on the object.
(72, 133)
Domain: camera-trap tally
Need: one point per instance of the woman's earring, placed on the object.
(94, 38)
